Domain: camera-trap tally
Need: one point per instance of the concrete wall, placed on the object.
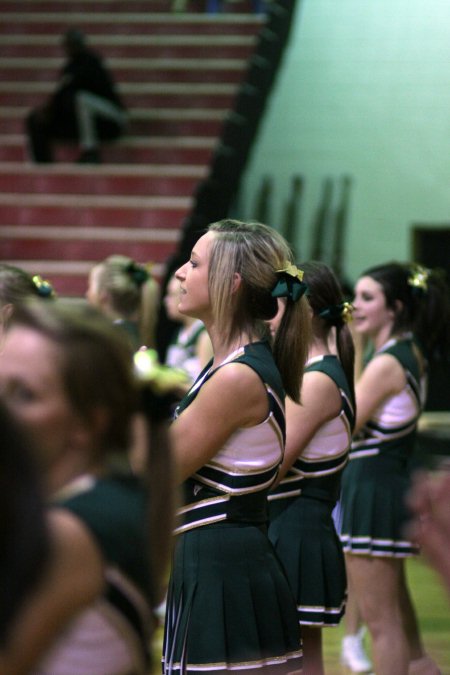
(364, 91)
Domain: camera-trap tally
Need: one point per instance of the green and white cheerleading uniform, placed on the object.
(301, 525)
(112, 636)
(229, 604)
(377, 478)
(182, 352)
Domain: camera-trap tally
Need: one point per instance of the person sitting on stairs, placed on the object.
(85, 106)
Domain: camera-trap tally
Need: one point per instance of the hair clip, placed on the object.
(290, 283)
(137, 272)
(43, 287)
(419, 277)
(347, 312)
(337, 314)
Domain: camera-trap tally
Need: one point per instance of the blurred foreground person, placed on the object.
(429, 500)
(24, 545)
(67, 377)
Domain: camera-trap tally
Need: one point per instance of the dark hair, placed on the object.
(422, 308)
(160, 479)
(23, 531)
(256, 252)
(16, 285)
(96, 363)
(326, 299)
(74, 38)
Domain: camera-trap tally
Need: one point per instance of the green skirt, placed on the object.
(304, 536)
(229, 605)
(374, 511)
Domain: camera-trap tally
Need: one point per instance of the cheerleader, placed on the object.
(318, 440)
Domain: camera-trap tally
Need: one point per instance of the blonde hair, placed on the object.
(256, 251)
(132, 293)
(122, 278)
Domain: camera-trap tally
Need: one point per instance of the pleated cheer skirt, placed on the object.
(229, 605)
(305, 539)
(374, 510)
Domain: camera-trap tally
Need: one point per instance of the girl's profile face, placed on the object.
(275, 322)
(193, 279)
(32, 388)
(93, 291)
(172, 299)
(370, 313)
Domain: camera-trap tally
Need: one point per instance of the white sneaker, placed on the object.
(353, 654)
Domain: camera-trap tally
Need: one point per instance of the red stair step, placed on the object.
(72, 251)
(127, 151)
(176, 127)
(78, 179)
(146, 71)
(206, 123)
(94, 211)
(153, 6)
(60, 219)
(76, 249)
(163, 6)
(147, 24)
(69, 285)
(214, 96)
(135, 46)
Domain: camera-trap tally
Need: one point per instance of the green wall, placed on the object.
(364, 90)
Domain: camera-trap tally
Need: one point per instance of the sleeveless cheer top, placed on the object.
(392, 428)
(316, 473)
(182, 352)
(233, 485)
(111, 636)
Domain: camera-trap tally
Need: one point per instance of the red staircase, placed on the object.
(178, 73)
